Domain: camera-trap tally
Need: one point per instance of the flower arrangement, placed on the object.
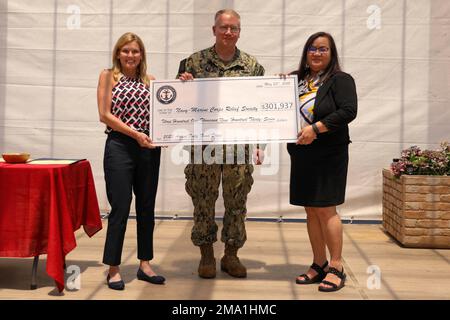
(415, 161)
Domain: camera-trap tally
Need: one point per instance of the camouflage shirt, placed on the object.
(207, 64)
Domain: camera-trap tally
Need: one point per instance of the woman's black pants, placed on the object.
(130, 168)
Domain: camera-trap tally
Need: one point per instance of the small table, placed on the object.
(41, 206)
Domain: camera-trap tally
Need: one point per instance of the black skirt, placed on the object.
(318, 175)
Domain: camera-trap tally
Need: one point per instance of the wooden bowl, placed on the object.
(16, 157)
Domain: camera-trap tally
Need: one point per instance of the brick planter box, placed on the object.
(416, 210)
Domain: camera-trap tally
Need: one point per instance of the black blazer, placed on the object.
(335, 106)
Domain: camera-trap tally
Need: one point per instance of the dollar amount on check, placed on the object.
(224, 111)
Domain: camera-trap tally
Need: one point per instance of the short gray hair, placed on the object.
(226, 11)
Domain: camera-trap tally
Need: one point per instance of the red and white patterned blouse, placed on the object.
(131, 103)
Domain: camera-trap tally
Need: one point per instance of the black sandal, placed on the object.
(321, 274)
(334, 287)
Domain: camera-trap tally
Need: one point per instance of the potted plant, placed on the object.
(416, 198)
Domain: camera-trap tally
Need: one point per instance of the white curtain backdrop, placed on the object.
(51, 53)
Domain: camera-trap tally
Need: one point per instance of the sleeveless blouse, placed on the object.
(130, 103)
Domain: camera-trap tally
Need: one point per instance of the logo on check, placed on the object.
(166, 94)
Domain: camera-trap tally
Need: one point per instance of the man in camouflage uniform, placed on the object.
(202, 180)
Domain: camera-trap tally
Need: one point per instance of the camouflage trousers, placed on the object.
(202, 184)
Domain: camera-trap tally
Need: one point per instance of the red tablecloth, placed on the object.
(40, 208)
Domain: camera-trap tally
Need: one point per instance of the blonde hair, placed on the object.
(117, 67)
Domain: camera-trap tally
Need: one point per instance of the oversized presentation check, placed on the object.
(230, 110)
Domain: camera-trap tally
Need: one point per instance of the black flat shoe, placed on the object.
(141, 275)
(321, 274)
(116, 285)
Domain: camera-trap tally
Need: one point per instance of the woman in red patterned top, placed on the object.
(131, 162)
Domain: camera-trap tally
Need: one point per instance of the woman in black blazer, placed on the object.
(319, 158)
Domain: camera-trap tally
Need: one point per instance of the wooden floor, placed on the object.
(274, 254)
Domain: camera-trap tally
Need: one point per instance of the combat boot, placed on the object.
(230, 263)
(207, 266)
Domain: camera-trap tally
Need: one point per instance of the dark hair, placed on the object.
(304, 70)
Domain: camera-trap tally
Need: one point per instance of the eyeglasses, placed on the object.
(320, 50)
(233, 29)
